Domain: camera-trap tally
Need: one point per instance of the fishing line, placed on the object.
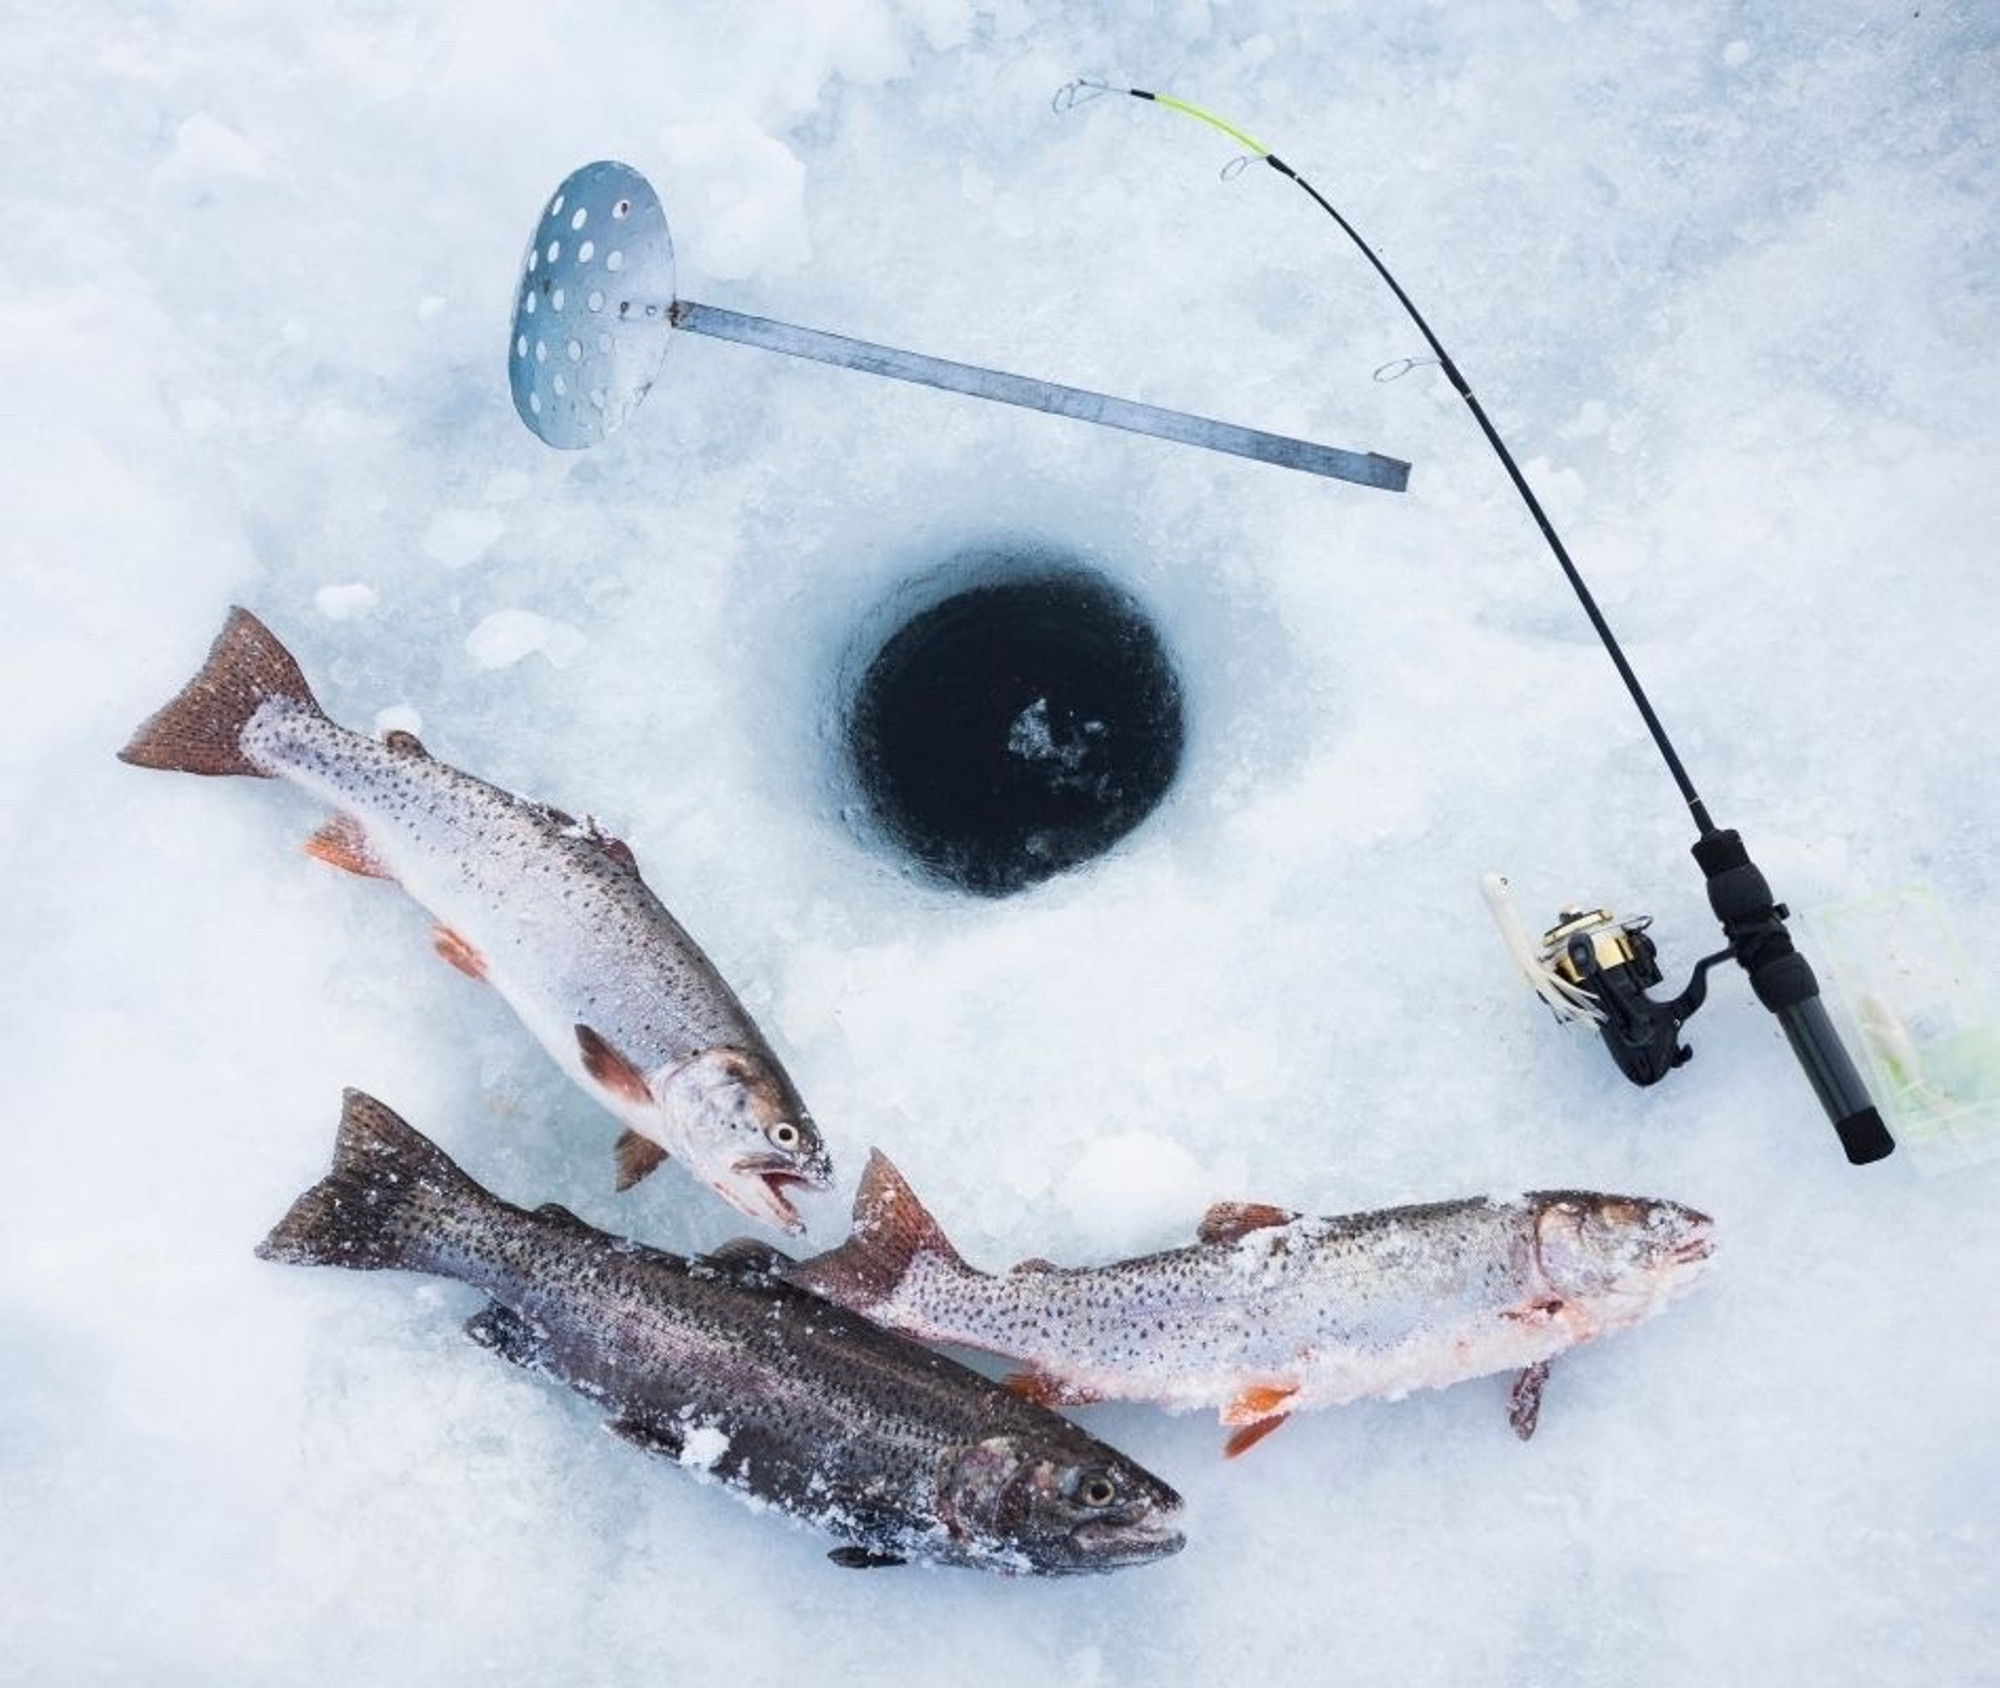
(1612, 961)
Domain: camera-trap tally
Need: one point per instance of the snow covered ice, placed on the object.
(1726, 279)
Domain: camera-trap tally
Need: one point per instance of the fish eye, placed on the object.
(1097, 1489)
(784, 1134)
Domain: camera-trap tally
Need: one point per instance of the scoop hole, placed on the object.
(582, 216)
(586, 252)
(614, 261)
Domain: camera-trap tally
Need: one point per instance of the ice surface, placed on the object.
(1726, 276)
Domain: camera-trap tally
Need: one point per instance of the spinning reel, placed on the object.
(1591, 967)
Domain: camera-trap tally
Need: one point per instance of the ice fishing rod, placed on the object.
(1591, 964)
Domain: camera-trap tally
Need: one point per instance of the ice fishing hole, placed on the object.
(1016, 728)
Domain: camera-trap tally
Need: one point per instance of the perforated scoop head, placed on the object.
(590, 322)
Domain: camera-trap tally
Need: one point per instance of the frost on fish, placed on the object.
(1270, 1311)
(548, 910)
(716, 1365)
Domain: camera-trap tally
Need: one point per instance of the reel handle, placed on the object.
(1783, 979)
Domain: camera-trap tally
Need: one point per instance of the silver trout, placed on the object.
(548, 910)
(1270, 1311)
(719, 1366)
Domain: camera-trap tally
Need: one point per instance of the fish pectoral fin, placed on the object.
(612, 1070)
(343, 843)
(1251, 1434)
(1047, 1390)
(506, 1333)
(864, 1558)
(1259, 1401)
(750, 1255)
(1524, 1400)
(1229, 1222)
(458, 952)
(649, 1435)
(637, 1156)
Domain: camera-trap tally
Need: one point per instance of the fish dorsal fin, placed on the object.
(616, 848)
(399, 741)
(561, 1215)
(612, 1070)
(637, 1156)
(343, 843)
(1034, 1263)
(749, 1254)
(1230, 1222)
(864, 1559)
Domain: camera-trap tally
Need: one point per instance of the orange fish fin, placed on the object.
(342, 843)
(1229, 1222)
(1251, 1434)
(892, 1230)
(637, 1156)
(458, 952)
(1034, 1264)
(610, 1068)
(1259, 1401)
(1047, 1391)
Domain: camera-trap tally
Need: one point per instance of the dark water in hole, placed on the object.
(1017, 728)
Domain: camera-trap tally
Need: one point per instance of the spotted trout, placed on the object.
(716, 1364)
(548, 910)
(1270, 1311)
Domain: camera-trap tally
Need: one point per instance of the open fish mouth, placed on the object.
(758, 1187)
(1105, 1542)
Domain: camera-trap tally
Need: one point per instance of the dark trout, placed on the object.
(714, 1363)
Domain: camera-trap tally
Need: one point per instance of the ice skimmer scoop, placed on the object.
(597, 301)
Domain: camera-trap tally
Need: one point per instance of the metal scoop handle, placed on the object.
(1363, 468)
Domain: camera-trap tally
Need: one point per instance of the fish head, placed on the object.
(1047, 1508)
(743, 1130)
(1622, 1254)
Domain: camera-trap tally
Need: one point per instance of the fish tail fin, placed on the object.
(381, 1206)
(892, 1229)
(201, 731)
